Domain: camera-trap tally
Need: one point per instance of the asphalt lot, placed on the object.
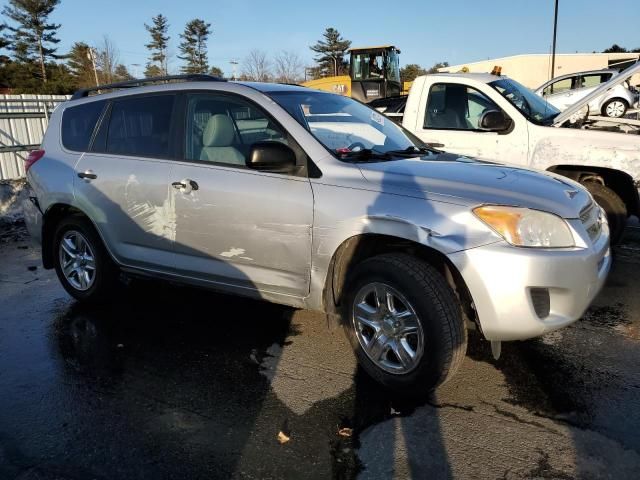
(172, 382)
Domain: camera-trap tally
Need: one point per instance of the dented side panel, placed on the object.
(244, 228)
(130, 205)
(349, 207)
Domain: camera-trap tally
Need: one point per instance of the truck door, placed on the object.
(450, 117)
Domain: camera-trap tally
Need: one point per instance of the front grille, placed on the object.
(590, 216)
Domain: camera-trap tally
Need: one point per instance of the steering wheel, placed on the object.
(358, 145)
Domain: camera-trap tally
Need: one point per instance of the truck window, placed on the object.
(453, 106)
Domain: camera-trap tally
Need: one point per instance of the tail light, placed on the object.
(34, 156)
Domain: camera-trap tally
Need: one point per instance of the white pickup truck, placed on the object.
(495, 118)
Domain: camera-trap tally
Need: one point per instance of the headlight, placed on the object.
(523, 227)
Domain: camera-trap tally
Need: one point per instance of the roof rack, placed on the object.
(85, 92)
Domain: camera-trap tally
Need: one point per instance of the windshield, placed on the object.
(344, 125)
(535, 108)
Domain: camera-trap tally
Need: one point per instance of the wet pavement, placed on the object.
(174, 382)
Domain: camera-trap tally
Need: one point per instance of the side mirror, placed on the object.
(271, 157)
(494, 121)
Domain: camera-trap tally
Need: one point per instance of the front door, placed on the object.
(237, 226)
(450, 120)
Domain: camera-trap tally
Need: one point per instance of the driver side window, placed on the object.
(453, 106)
(222, 129)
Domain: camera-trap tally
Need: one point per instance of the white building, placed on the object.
(534, 69)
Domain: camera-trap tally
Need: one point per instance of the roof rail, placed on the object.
(85, 92)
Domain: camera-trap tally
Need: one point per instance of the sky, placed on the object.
(425, 31)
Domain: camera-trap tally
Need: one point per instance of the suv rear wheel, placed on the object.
(404, 323)
(84, 267)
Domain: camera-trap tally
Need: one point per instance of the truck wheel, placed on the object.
(613, 206)
(404, 323)
(83, 265)
(615, 108)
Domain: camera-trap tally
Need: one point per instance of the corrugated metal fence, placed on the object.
(23, 121)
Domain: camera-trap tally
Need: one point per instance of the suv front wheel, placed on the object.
(83, 265)
(404, 323)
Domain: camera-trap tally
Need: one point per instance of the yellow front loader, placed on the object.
(374, 73)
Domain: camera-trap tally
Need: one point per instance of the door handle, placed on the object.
(186, 186)
(87, 175)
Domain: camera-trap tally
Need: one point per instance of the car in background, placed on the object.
(564, 91)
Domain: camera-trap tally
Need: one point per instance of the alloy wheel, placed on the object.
(77, 260)
(388, 328)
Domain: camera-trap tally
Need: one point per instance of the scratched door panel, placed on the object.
(242, 227)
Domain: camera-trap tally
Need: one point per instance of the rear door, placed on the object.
(236, 226)
(122, 183)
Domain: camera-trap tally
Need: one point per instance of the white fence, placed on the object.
(23, 121)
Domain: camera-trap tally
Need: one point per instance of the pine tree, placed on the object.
(153, 70)
(81, 66)
(194, 46)
(216, 72)
(121, 73)
(32, 38)
(331, 51)
(158, 44)
(4, 40)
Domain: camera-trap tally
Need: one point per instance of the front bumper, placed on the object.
(502, 280)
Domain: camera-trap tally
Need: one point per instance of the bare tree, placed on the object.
(107, 59)
(288, 67)
(256, 66)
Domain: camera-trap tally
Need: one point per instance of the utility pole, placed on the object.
(136, 71)
(233, 63)
(553, 48)
(91, 55)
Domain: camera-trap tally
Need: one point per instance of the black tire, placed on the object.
(614, 207)
(438, 311)
(609, 102)
(106, 273)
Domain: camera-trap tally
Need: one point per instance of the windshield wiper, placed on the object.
(413, 151)
(365, 155)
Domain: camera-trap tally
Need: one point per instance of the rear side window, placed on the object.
(78, 124)
(140, 126)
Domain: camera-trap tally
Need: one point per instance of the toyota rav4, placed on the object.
(312, 200)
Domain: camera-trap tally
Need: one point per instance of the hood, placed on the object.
(473, 182)
(605, 87)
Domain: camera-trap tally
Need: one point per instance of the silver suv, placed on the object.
(312, 200)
